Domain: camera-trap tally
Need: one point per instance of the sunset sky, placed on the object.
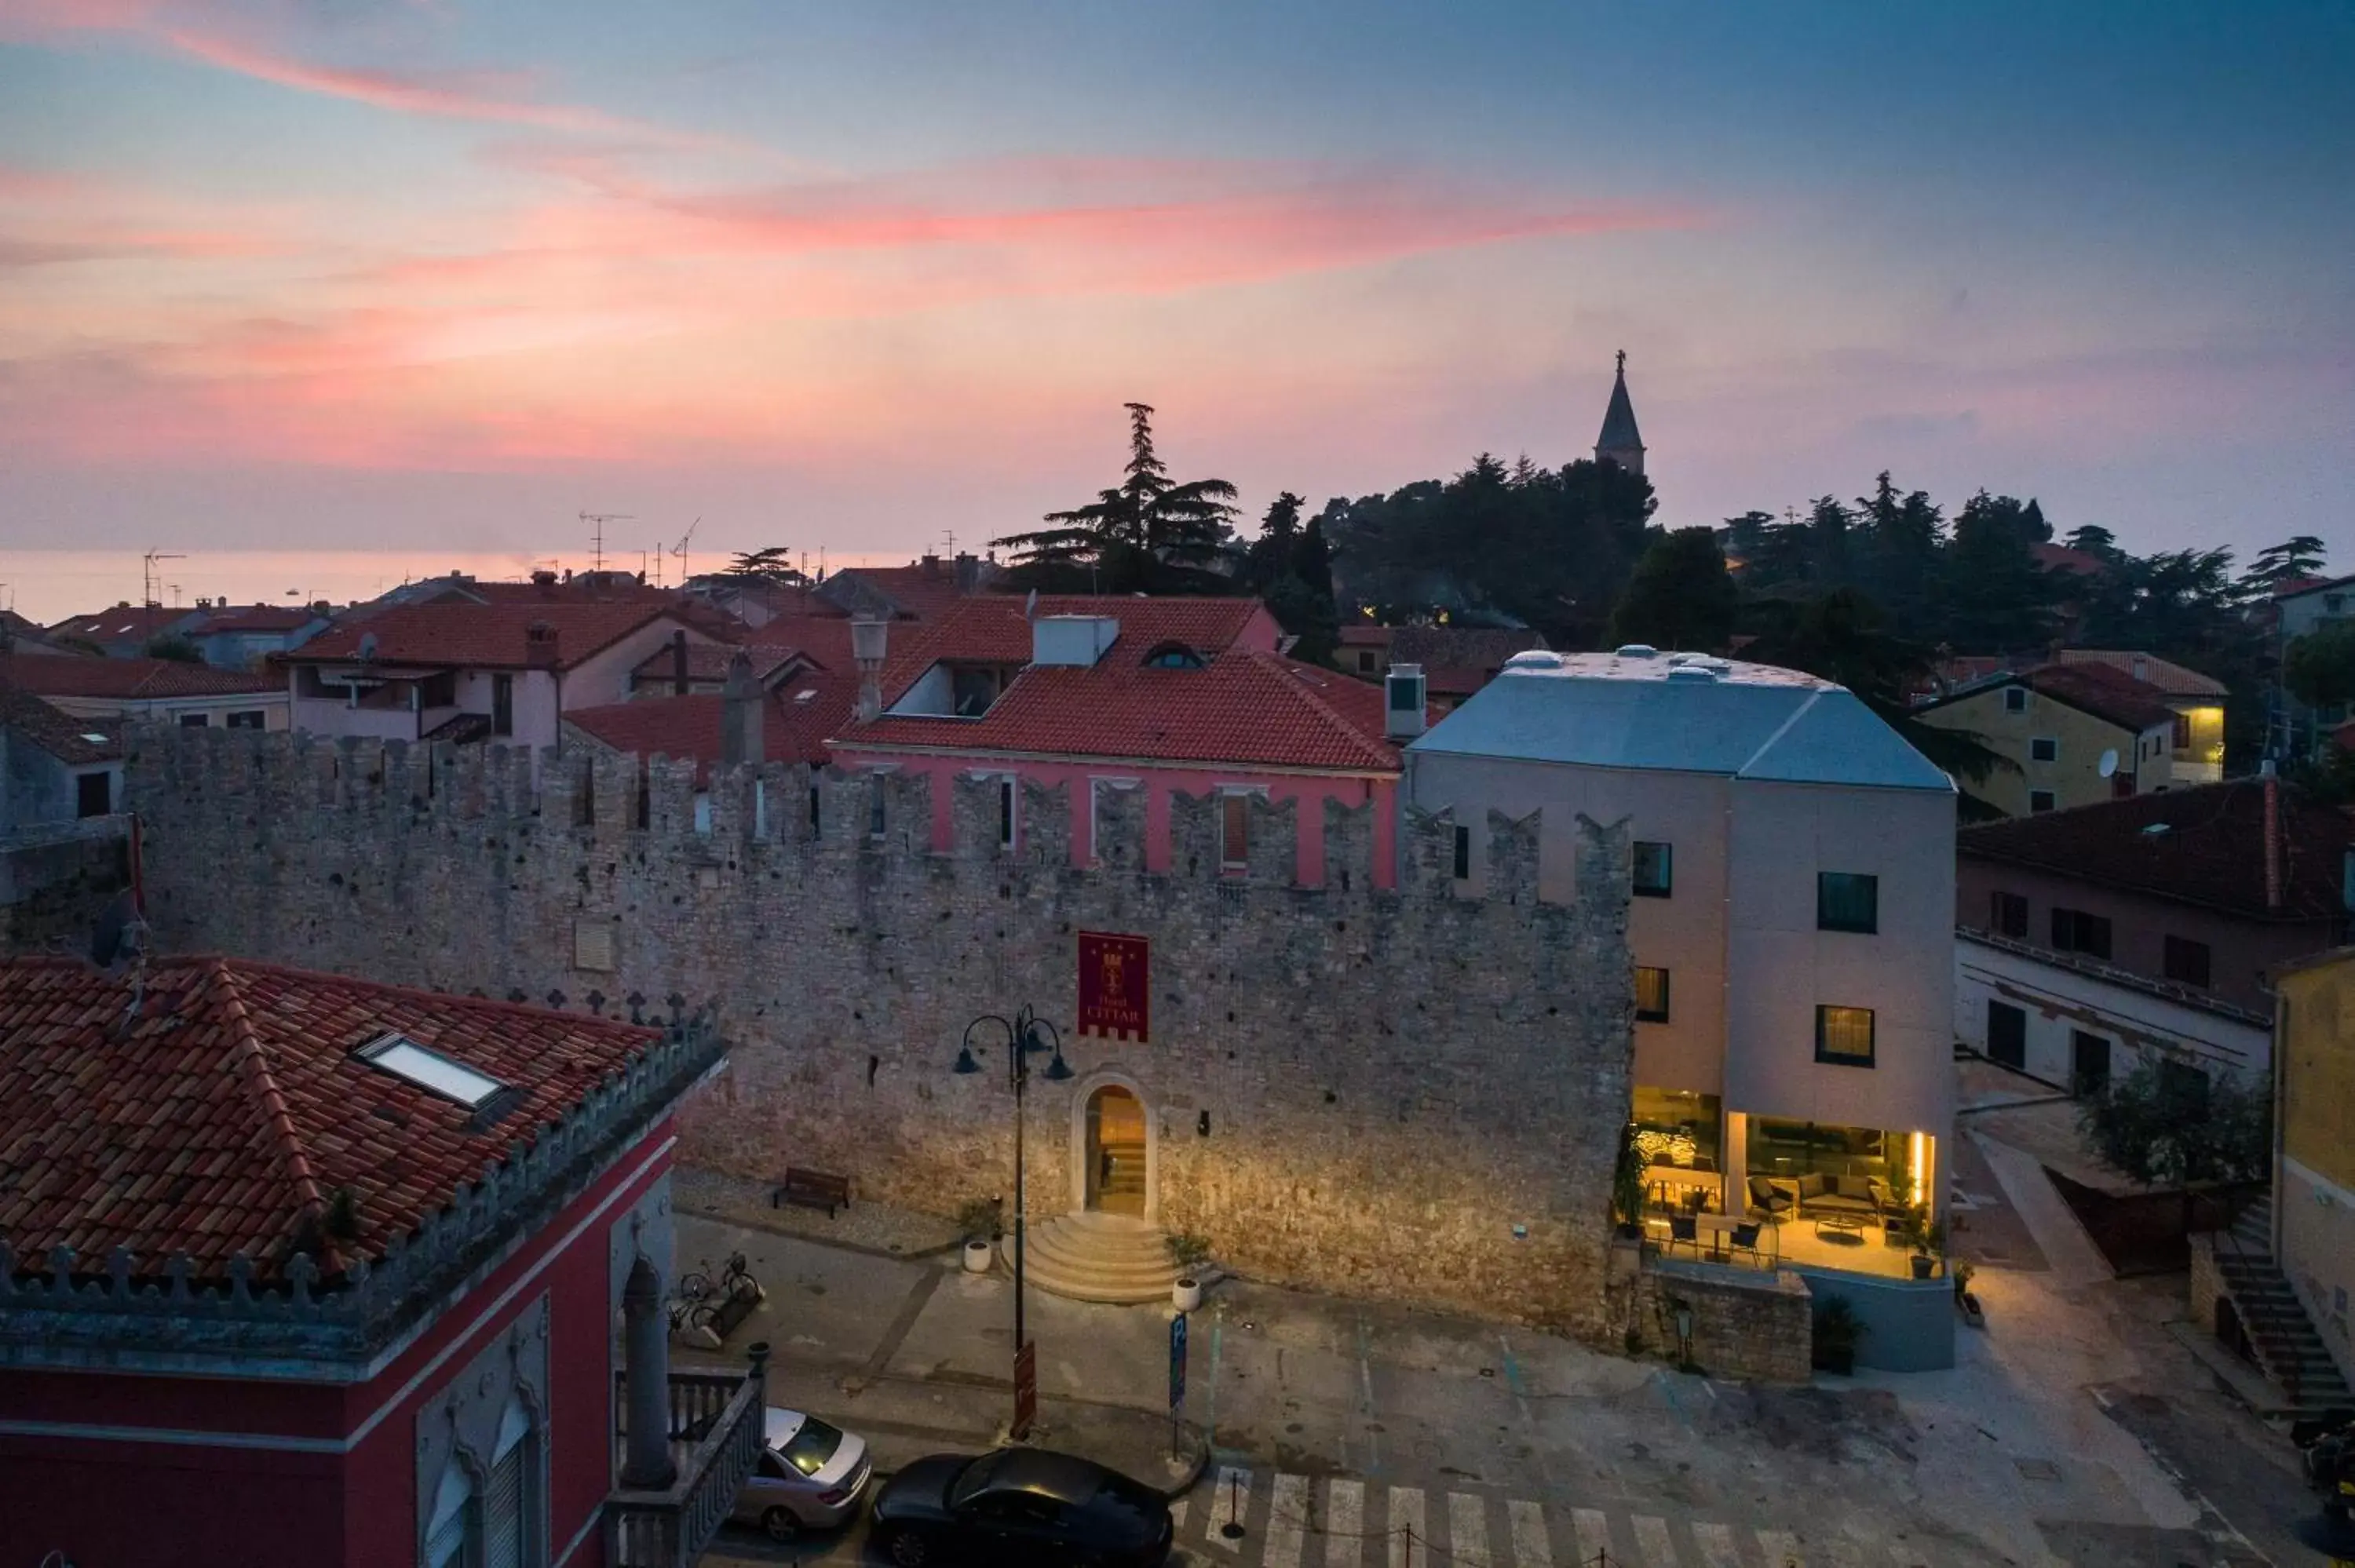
(431, 276)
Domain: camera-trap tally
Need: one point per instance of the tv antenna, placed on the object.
(679, 549)
(597, 521)
(151, 580)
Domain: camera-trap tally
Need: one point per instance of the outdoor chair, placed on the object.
(1745, 1239)
(1686, 1229)
(1768, 1200)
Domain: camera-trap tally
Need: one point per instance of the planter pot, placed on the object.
(1186, 1294)
(1924, 1266)
(979, 1256)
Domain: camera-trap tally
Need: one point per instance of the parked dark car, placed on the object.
(1020, 1506)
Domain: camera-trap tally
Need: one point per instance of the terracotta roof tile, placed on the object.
(232, 1106)
(793, 728)
(447, 633)
(2203, 845)
(128, 679)
(68, 739)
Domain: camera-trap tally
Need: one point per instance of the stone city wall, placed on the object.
(1402, 1093)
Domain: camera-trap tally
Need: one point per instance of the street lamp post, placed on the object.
(1023, 1034)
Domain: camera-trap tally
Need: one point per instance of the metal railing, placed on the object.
(717, 1423)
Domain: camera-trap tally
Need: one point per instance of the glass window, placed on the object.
(2039, 800)
(502, 704)
(1844, 1035)
(2015, 699)
(875, 821)
(1654, 870)
(405, 1058)
(1795, 1149)
(1676, 1127)
(192, 721)
(2006, 1035)
(1463, 854)
(1005, 813)
(812, 810)
(250, 719)
(812, 1445)
(93, 795)
(1651, 995)
(2187, 961)
(2044, 748)
(2074, 931)
(2009, 914)
(1235, 830)
(1848, 901)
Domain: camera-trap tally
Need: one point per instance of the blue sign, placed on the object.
(1177, 1362)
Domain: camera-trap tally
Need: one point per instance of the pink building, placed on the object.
(1154, 696)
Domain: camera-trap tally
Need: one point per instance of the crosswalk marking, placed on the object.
(1234, 1494)
(1593, 1533)
(1345, 1521)
(1467, 1529)
(1405, 1523)
(1781, 1549)
(1531, 1547)
(1652, 1542)
(1287, 1513)
(1717, 1548)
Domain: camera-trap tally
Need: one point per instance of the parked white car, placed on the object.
(810, 1476)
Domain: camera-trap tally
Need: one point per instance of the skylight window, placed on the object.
(405, 1059)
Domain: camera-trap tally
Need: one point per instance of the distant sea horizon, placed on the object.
(50, 586)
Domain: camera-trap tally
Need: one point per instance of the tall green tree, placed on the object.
(2278, 565)
(1148, 535)
(2319, 667)
(1291, 567)
(1679, 594)
(2166, 1125)
(771, 564)
(1994, 595)
(2093, 539)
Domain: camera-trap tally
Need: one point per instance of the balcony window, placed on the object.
(1651, 995)
(2009, 914)
(1234, 832)
(2187, 961)
(1848, 901)
(1844, 1036)
(1676, 1128)
(1655, 872)
(2074, 931)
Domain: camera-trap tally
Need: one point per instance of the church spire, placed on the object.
(1619, 441)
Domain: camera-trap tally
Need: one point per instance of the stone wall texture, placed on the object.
(1751, 1325)
(1403, 1094)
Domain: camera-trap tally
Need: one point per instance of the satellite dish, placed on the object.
(2109, 763)
(367, 647)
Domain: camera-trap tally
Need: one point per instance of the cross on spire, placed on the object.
(1623, 362)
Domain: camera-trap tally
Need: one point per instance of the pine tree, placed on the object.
(1148, 535)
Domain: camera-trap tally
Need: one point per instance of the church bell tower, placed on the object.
(1620, 441)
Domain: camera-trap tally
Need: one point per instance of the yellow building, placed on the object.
(2314, 1158)
(2197, 701)
(2076, 734)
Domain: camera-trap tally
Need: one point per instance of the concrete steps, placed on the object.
(1096, 1256)
(2287, 1345)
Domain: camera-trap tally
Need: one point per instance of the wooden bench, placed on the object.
(812, 1190)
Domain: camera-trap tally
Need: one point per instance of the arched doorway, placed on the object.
(1114, 1167)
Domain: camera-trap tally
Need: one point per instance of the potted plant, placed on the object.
(1189, 1252)
(1929, 1239)
(1836, 1330)
(977, 1218)
(1964, 1299)
(1627, 1187)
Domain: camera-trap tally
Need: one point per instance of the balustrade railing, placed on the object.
(717, 1423)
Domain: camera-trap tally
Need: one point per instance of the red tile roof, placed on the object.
(481, 636)
(129, 680)
(2098, 689)
(919, 591)
(2210, 849)
(257, 618)
(994, 629)
(230, 1112)
(709, 662)
(68, 739)
(1242, 708)
(122, 623)
(2173, 679)
(794, 728)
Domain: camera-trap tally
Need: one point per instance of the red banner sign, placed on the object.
(1114, 990)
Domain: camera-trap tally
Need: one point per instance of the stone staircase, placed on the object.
(1096, 1256)
(2287, 1347)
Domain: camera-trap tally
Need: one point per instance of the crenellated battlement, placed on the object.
(772, 814)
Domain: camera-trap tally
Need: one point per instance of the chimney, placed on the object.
(968, 573)
(544, 580)
(739, 714)
(1403, 708)
(320, 607)
(869, 640)
(932, 566)
(539, 645)
(679, 684)
(2273, 841)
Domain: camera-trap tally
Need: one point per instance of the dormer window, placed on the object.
(1174, 656)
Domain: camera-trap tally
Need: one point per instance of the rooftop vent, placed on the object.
(1072, 641)
(1403, 716)
(1692, 672)
(1635, 650)
(1534, 659)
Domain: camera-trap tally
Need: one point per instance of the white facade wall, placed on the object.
(1747, 965)
(2060, 998)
